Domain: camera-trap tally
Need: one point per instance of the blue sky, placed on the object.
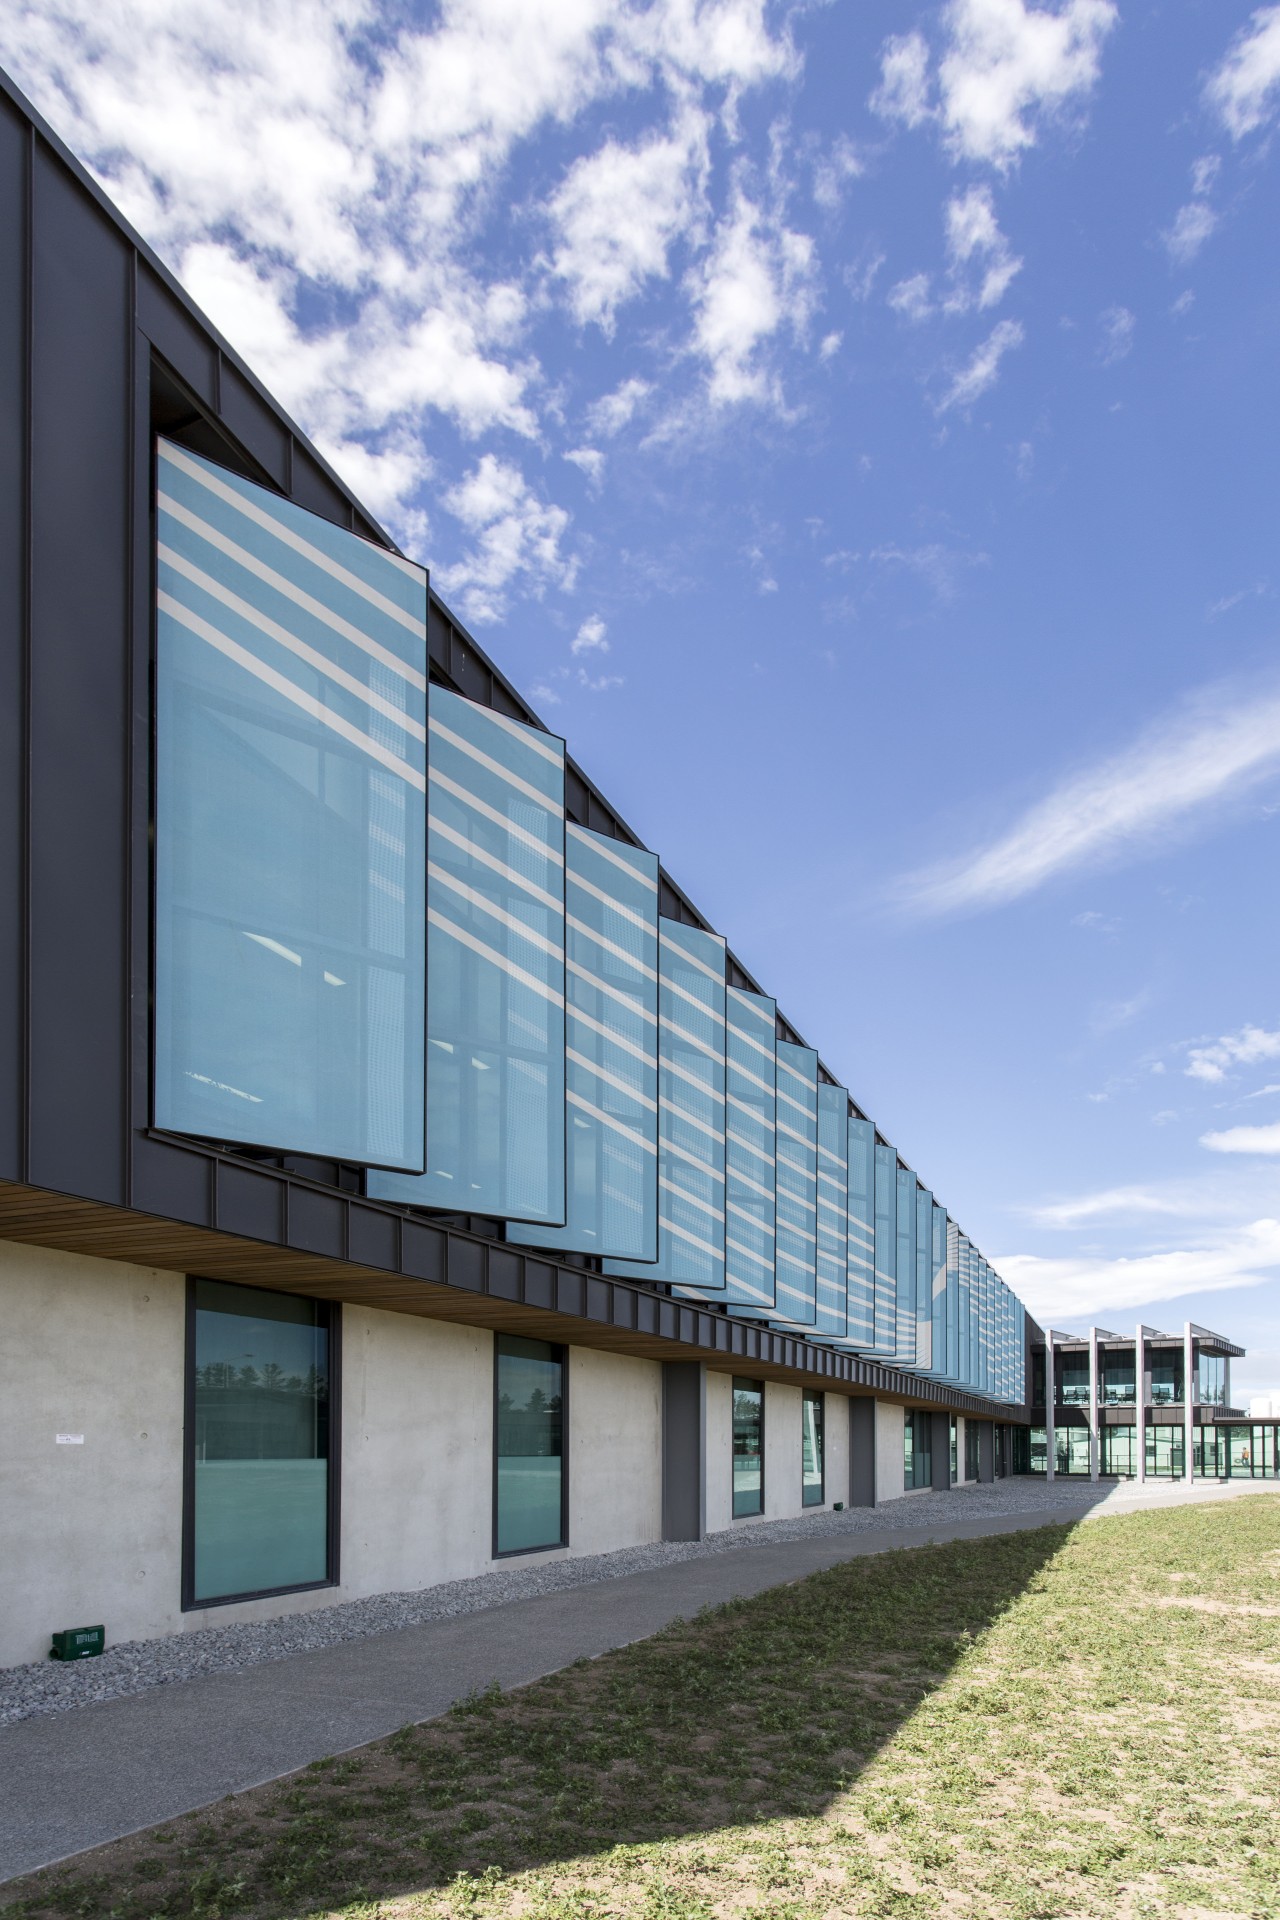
(854, 426)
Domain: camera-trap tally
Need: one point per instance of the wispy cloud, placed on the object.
(1196, 220)
(1112, 1203)
(982, 372)
(1085, 1289)
(1188, 764)
(1245, 89)
(590, 637)
(1213, 1061)
(1244, 1140)
(1118, 328)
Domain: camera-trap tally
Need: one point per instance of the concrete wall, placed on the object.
(88, 1533)
(719, 1461)
(835, 1416)
(890, 1445)
(93, 1533)
(783, 1483)
(615, 1451)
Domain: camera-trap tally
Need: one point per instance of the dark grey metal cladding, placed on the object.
(986, 1451)
(940, 1451)
(862, 1452)
(15, 146)
(684, 1450)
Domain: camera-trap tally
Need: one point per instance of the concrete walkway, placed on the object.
(75, 1780)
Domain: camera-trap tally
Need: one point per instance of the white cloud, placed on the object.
(940, 566)
(1084, 1289)
(619, 211)
(831, 173)
(1194, 222)
(1246, 86)
(588, 460)
(1187, 763)
(590, 637)
(983, 370)
(830, 345)
(513, 533)
(610, 414)
(1007, 66)
(911, 298)
(759, 277)
(1118, 328)
(1127, 1202)
(1243, 1049)
(1244, 1140)
(903, 93)
(974, 237)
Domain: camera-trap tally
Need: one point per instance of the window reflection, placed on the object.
(260, 1442)
(1118, 1452)
(1211, 1389)
(530, 1445)
(748, 1447)
(1073, 1387)
(918, 1450)
(1166, 1376)
(1117, 1386)
(812, 1450)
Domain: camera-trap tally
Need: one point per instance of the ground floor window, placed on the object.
(1037, 1449)
(1119, 1449)
(813, 1456)
(260, 1493)
(1022, 1450)
(529, 1479)
(1071, 1450)
(1210, 1452)
(970, 1449)
(1250, 1451)
(748, 1447)
(917, 1459)
(955, 1444)
(1165, 1450)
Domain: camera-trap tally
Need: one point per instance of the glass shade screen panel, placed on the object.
(691, 1112)
(886, 1251)
(495, 969)
(860, 1268)
(529, 1490)
(833, 1212)
(260, 1442)
(748, 1448)
(924, 1279)
(905, 1268)
(291, 677)
(750, 1148)
(611, 1051)
(812, 1458)
(797, 1230)
(938, 1289)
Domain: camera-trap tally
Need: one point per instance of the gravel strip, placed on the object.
(50, 1687)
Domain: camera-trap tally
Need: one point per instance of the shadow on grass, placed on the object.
(763, 1709)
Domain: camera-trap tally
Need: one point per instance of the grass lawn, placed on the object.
(1058, 1723)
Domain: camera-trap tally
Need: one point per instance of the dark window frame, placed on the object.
(740, 1383)
(811, 1393)
(557, 1546)
(333, 1505)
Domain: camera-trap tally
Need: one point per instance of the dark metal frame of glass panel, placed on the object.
(328, 1316)
(813, 1441)
(508, 1343)
(755, 1387)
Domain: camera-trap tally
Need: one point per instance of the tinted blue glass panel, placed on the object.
(495, 969)
(886, 1225)
(906, 1267)
(966, 1378)
(861, 1264)
(938, 1289)
(833, 1211)
(797, 1228)
(953, 1301)
(290, 825)
(924, 1279)
(691, 1109)
(611, 1052)
(750, 1148)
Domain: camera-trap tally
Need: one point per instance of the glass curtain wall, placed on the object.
(905, 1268)
(924, 1279)
(1209, 1452)
(1073, 1379)
(291, 682)
(938, 1359)
(813, 1474)
(258, 1443)
(750, 1148)
(1119, 1452)
(1071, 1450)
(886, 1251)
(833, 1212)
(797, 1220)
(529, 1489)
(1211, 1389)
(748, 1447)
(1165, 1451)
(862, 1244)
(1117, 1387)
(955, 1451)
(1166, 1376)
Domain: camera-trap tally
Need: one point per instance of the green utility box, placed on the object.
(78, 1643)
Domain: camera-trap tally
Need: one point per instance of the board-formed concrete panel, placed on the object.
(890, 1441)
(615, 1451)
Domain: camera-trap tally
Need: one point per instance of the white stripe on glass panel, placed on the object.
(693, 1199)
(597, 844)
(610, 1120)
(496, 767)
(692, 1080)
(690, 1039)
(682, 1233)
(475, 899)
(614, 905)
(610, 1079)
(482, 807)
(528, 737)
(609, 946)
(491, 860)
(694, 1160)
(499, 960)
(289, 538)
(242, 658)
(607, 1033)
(620, 994)
(691, 959)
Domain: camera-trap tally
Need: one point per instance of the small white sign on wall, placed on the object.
(69, 1439)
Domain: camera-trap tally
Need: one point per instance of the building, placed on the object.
(1120, 1409)
(396, 1170)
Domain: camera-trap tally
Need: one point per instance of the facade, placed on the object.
(1120, 1409)
(397, 1172)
